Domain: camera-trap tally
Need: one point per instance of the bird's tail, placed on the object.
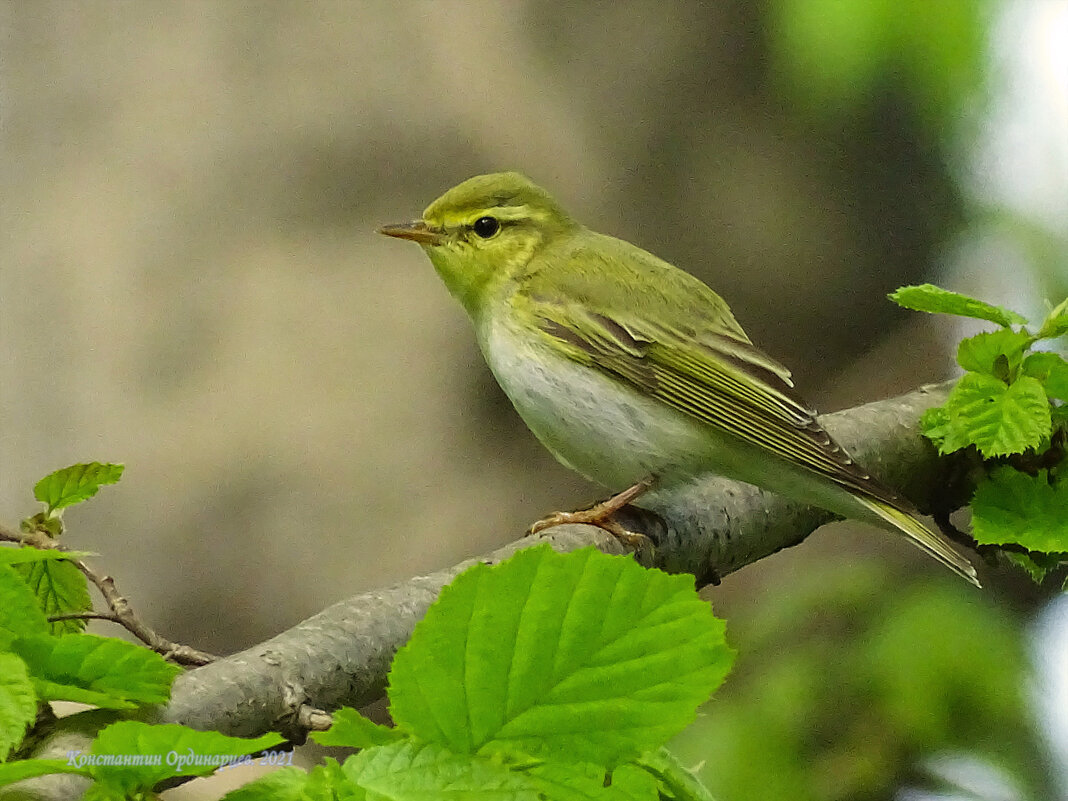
(928, 540)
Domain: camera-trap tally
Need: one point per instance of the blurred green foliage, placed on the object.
(829, 54)
(830, 58)
(846, 681)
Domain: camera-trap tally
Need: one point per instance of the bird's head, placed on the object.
(485, 231)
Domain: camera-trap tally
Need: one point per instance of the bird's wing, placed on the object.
(700, 364)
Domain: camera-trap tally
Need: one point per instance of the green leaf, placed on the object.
(998, 419)
(1013, 507)
(632, 782)
(1052, 370)
(677, 780)
(935, 425)
(96, 670)
(75, 484)
(981, 353)
(1059, 416)
(20, 555)
(561, 780)
(43, 522)
(11, 772)
(353, 730)
(1056, 323)
(55, 691)
(582, 657)
(412, 771)
(131, 756)
(286, 784)
(324, 782)
(327, 782)
(61, 588)
(1036, 565)
(101, 791)
(20, 614)
(933, 299)
(18, 702)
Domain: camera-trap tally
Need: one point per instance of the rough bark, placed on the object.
(710, 528)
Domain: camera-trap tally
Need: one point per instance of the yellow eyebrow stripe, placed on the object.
(505, 214)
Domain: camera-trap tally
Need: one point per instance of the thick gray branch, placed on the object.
(710, 528)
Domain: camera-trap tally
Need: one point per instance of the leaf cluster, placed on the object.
(847, 679)
(1009, 407)
(43, 661)
(548, 676)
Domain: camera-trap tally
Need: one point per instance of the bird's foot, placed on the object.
(630, 539)
(600, 515)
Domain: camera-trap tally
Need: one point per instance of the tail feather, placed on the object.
(928, 540)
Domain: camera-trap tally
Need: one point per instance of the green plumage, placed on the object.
(625, 366)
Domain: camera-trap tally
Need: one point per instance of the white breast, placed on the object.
(588, 421)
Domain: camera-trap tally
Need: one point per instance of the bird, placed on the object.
(631, 371)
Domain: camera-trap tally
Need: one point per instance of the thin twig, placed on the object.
(121, 610)
(10, 535)
(120, 607)
(84, 616)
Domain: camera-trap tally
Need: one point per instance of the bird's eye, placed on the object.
(486, 227)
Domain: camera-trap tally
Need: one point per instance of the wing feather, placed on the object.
(711, 376)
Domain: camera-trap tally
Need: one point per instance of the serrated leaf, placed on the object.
(1013, 507)
(676, 779)
(18, 702)
(17, 771)
(142, 755)
(1036, 565)
(935, 423)
(1056, 322)
(982, 353)
(96, 670)
(20, 555)
(61, 588)
(353, 730)
(323, 783)
(286, 784)
(561, 780)
(101, 791)
(933, 299)
(582, 656)
(20, 614)
(1051, 370)
(75, 484)
(327, 782)
(412, 771)
(998, 419)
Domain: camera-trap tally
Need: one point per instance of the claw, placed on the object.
(600, 515)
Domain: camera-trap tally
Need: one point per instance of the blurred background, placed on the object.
(191, 284)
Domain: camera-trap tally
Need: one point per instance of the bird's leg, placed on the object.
(600, 515)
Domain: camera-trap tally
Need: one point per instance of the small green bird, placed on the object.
(631, 371)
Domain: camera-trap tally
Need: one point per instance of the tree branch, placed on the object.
(121, 613)
(708, 528)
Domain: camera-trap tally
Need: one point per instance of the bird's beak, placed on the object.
(417, 231)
